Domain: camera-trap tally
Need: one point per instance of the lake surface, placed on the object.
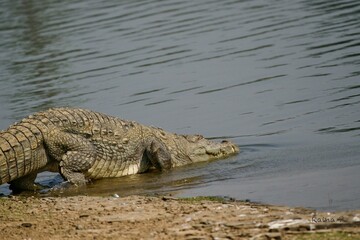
(279, 78)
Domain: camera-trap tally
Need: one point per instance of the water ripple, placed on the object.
(147, 92)
(241, 84)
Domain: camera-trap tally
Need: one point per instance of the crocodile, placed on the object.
(83, 145)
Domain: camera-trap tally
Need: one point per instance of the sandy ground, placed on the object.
(144, 217)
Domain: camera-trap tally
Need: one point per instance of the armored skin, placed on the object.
(82, 145)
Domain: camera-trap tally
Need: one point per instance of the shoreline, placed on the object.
(166, 217)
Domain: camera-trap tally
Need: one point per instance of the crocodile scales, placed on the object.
(81, 145)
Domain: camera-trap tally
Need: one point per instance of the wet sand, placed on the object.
(165, 217)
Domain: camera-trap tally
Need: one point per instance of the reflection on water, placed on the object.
(30, 74)
(279, 78)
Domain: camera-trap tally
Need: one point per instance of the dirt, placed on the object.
(146, 217)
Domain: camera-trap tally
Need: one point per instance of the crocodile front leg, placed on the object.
(159, 155)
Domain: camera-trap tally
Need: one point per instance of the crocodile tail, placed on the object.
(21, 151)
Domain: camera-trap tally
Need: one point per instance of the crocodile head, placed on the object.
(201, 149)
(196, 148)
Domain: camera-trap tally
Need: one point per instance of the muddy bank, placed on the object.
(143, 217)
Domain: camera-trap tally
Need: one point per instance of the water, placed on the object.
(279, 78)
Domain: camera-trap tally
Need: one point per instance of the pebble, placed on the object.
(234, 224)
(26, 224)
(79, 227)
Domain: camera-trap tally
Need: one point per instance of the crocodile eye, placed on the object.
(162, 135)
(199, 137)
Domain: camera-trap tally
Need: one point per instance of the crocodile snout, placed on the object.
(208, 150)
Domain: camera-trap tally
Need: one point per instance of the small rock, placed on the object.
(166, 198)
(234, 224)
(26, 225)
(79, 227)
(115, 195)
